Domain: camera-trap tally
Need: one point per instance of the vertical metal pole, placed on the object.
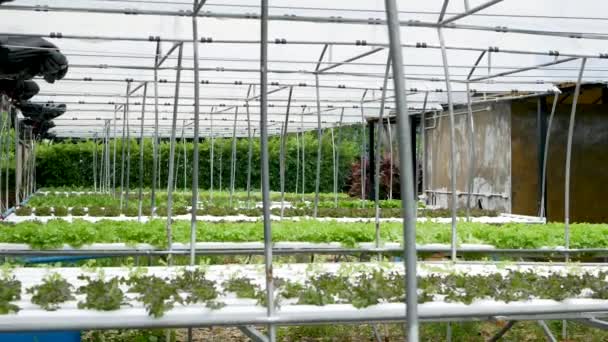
(102, 160)
(211, 157)
(282, 152)
(249, 154)
(160, 161)
(123, 147)
(405, 161)
(264, 167)
(4, 117)
(195, 147)
(363, 151)
(177, 163)
(303, 153)
(452, 143)
(184, 144)
(420, 156)
(319, 146)
(333, 162)
(107, 156)
(390, 151)
(423, 149)
(5, 114)
(95, 163)
(546, 155)
(472, 156)
(577, 91)
(155, 142)
(128, 174)
(115, 147)
(221, 163)
(378, 150)
(489, 71)
(141, 153)
(233, 155)
(179, 158)
(297, 160)
(336, 170)
(172, 151)
(18, 160)
(33, 166)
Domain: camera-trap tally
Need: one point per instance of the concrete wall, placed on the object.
(492, 170)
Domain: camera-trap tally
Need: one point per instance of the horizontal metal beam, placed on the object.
(314, 19)
(494, 49)
(212, 82)
(534, 67)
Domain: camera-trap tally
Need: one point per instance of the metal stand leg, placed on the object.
(233, 156)
(264, 167)
(502, 331)
(141, 155)
(577, 91)
(319, 134)
(283, 152)
(547, 331)
(377, 334)
(337, 169)
(378, 152)
(454, 201)
(155, 142)
(405, 161)
(172, 153)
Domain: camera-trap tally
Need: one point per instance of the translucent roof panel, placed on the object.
(110, 42)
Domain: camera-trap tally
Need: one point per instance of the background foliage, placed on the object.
(70, 163)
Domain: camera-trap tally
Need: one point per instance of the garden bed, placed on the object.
(57, 233)
(306, 293)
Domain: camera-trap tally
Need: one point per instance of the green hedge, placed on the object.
(70, 163)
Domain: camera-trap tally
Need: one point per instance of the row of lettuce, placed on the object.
(133, 211)
(361, 288)
(56, 233)
(218, 204)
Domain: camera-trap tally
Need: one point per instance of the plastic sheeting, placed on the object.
(109, 48)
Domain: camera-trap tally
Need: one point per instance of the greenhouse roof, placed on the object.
(522, 46)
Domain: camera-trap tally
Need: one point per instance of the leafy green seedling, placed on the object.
(53, 291)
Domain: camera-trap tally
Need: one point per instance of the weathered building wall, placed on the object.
(492, 170)
(589, 170)
(524, 157)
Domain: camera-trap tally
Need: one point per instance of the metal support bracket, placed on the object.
(253, 333)
(547, 331)
(594, 322)
(502, 331)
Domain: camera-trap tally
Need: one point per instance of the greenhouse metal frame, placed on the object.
(279, 116)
